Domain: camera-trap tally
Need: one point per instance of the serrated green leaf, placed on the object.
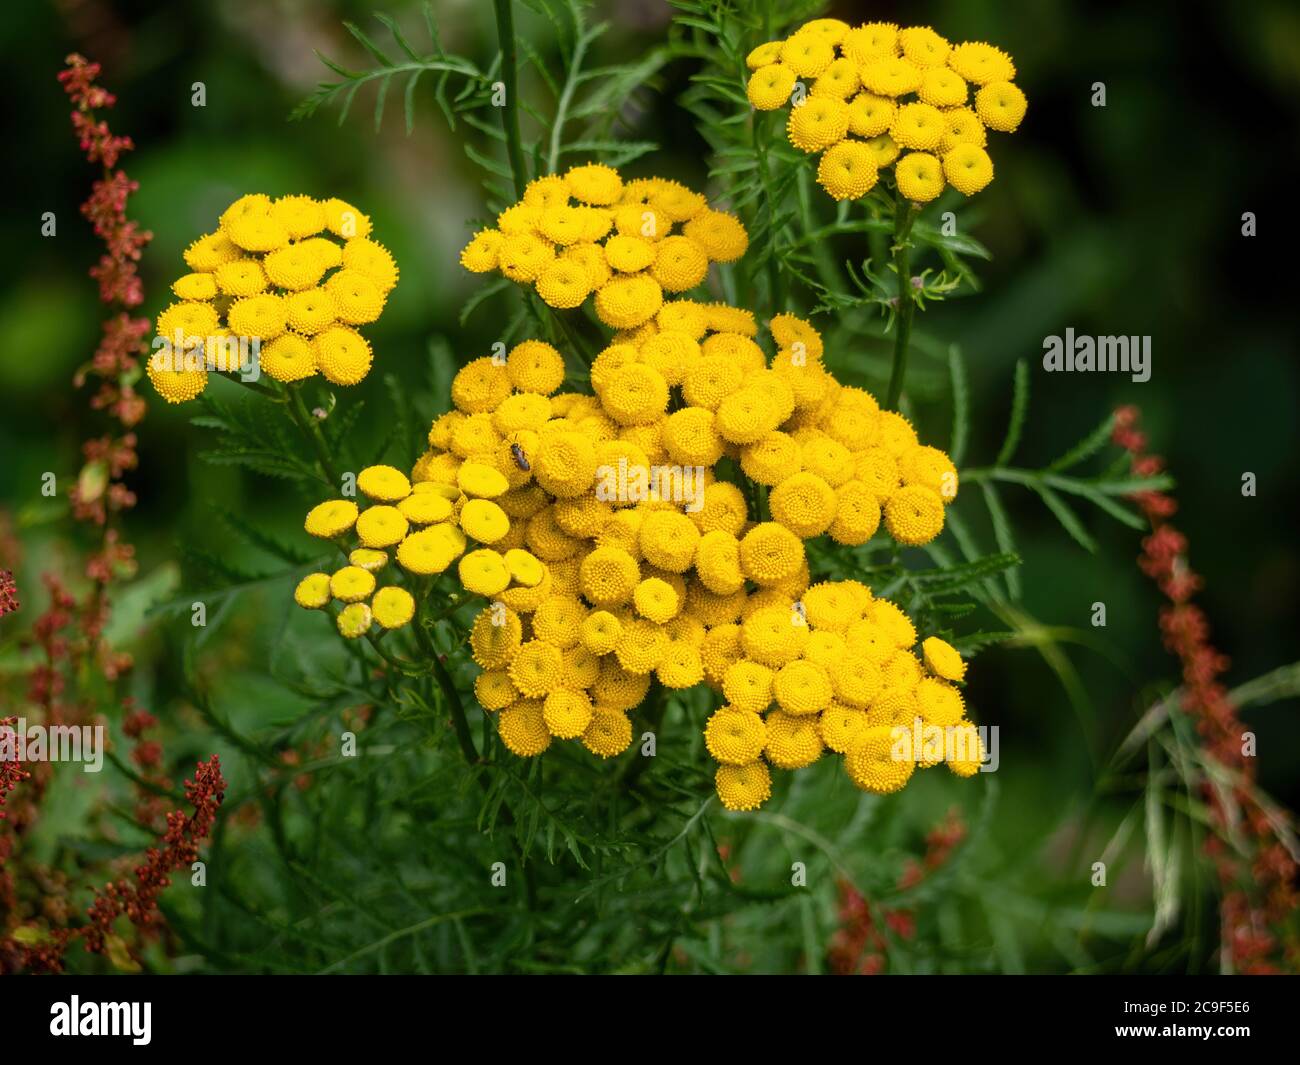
(1068, 519)
(269, 542)
(342, 71)
(1281, 683)
(956, 243)
(485, 293)
(972, 643)
(1087, 447)
(264, 462)
(408, 105)
(1120, 513)
(368, 44)
(380, 97)
(348, 96)
(1019, 409)
(963, 575)
(960, 405)
(1002, 535)
(490, 165)
(398, 35)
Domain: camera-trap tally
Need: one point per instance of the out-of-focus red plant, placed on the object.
(33, 947)
(75, 669)
(859, 946)
(8, 593)
(99, 491)
(138, 901)
(1256, 871)
(147, 758)
(12, 773)
(115, 362)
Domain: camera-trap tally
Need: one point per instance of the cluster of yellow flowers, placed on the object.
(589, 231)
(834, 461)
(615, 555)
(834, 671)
(427, 526)
(878, 91)
(293, 276)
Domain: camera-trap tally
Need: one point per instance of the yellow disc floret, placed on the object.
(743, 787)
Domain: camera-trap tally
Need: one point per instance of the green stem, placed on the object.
(510, 78)
(311, 429)
(871, 227)
(655, 704)
(459, 722)
(1074, 485)
(774, 278)
(399, 664)
(458, 719)
(823, 259)
(877, 244)
(904, 216)
(565, 334)
(261, 389)
(466, 741)
(571, 80)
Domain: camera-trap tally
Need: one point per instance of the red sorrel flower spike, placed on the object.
(8, 593)
(178, 850)
(1260, 895)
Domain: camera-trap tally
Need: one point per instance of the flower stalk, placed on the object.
(311, 430)
(510, 80)
(904, 215)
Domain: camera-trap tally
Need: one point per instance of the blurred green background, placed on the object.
(1124, 219)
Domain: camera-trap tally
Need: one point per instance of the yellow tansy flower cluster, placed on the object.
(876, 96)
(588, 232)
(290, 279)
(696, 383)
(425, 526)
(834, 671)
(628, 558)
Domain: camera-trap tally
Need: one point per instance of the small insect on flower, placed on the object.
(520, 458)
